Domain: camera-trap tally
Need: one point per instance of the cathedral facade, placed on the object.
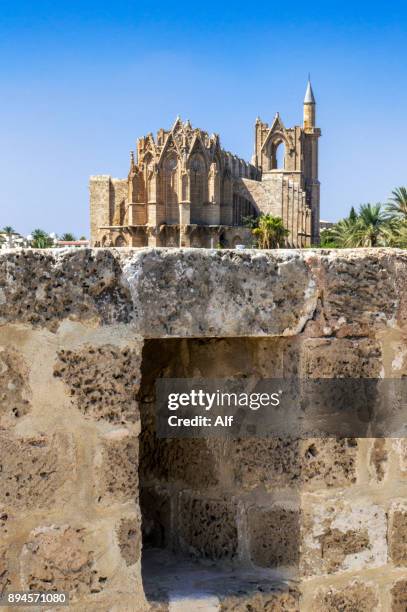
(184, 190)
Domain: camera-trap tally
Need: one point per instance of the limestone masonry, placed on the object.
(185, 190)
(93, 503)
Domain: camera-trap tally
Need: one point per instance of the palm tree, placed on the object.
(372, 226)
(342, 234)
(270, 232)
(9, 231)
(41, 240)
(68, 237)
(398, 203)
(397, 236)
(327, 239)
(369, 228)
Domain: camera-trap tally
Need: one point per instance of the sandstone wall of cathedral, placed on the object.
(100, 208)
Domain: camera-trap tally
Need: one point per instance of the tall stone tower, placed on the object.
(288, 161)
(310, 155)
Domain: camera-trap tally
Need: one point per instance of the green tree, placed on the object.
(342, 234)
(250, 221)
(328, 239)
(397, 234)
(41, 240)
(372, 226)
(397, 205)
(270, 232)
(68, 237)
(9, 231)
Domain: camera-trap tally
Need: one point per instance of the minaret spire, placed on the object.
(309, 94)
(309, 106)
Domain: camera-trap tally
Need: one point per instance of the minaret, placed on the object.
(310, 161)
(309, 107)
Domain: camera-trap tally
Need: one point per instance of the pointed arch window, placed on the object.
(277, 157)
(170, 191)
(148, 171)
(198, 178)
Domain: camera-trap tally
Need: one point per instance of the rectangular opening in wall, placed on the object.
(220, 517)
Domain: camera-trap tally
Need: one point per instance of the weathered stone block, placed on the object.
(14, 388)
(276, 462)
(336, 398)
(117, 468)
(129, 539)
(341, 358)
(35, 471)
(103, 381)
(61, 558)
(342, 536)
(269, 462)
(274, 536)
(191, 461)
(43, 287)
(275, 357)
(217, 283)
(207, 527)
(205, 356)
(398, 534)
(354, 597)
(328, 462)
(359, 288)
(399, 596)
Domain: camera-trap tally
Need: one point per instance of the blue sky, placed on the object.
(82, 80)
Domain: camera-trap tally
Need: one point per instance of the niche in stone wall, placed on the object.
(215, 501)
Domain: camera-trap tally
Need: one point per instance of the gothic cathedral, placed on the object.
(184, 190)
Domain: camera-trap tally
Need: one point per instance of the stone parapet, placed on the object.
(201, 292)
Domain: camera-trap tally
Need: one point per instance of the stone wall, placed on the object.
(108, 207)
(280, 194)
(84, 333)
